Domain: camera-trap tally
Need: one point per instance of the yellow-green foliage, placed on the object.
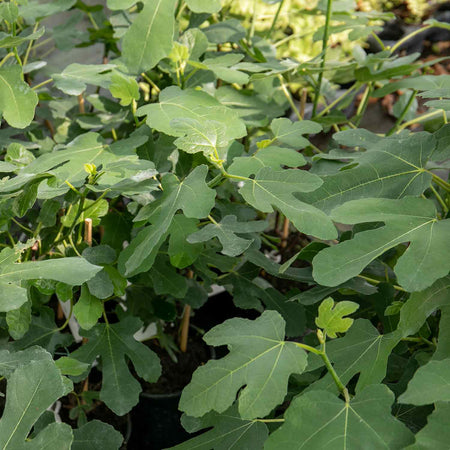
(298, 43)
(417, 8)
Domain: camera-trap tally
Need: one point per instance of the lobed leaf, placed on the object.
(259, 359)
(410, 220)
(114, 343)
(331, 316)
(318, 419)
(150, 37)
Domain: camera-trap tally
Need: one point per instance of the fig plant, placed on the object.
(191, 156)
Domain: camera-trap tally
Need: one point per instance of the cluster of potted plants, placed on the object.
(191, 160)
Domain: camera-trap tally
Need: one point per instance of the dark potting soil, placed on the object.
(156, 419)
(98, 410)
(177, 374)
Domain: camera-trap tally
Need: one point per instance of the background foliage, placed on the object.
(220, 145)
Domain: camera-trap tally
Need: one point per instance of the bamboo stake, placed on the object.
(88, 231)
(285, 233)
(81, 104)
(88, 240)
(184, 335)
(303, 102)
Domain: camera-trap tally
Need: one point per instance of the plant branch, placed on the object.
(274, 21)
(419, 119)
(409, 36)
(42, 84)
(322, 62)
(403, 113)
(289, 98)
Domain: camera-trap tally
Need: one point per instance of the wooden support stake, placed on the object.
(285, 234)
(303, 102)
(88, 232)
(184, 334)
(81, 104)
(59, 312)
(185, 328)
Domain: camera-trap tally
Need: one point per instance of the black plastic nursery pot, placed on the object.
(156, 422)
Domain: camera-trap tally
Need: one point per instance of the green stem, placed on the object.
(374, 281)
(40, 44)
(211, 218)
(16, 54)
(235, 177)
(9, 55)
(28, 230)
(380, 42)
(252, 25)
(73, 245)
(363, 104)
(292, 36)
(92, 20)
(30, 45)
(439, 199)
(328, 365)
(322, 63)
(11, 239)
(338, 100)
(308, 348)
(409, 36)
(333, 373)
(95, 202)
(403, 114)
(215, 180)
(419, 119)
(440, 182)
(289, 98)
(274, 21)
(105, 317)
(182, 6)
(268, 420)
(150, 82)
(42, 84)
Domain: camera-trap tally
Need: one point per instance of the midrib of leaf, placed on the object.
(409, 183)
(160, 227)
(12, 95)
(149, 29)
(336, 313)
(417, 269)
(206, 138)
(347, 406)
(42, 336)
(376, 180)
(321, 428)
(65, 157)
(245, 427)
(245, 430)
(180, 106)
(5, 258)
(408, 163)
(377, 340)
(267, 379)
(23, 413)
(231, 372)
(74, 174)
(375, 251)
(279, 199)
(380, 439)
(289, 134)
(111, 353)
